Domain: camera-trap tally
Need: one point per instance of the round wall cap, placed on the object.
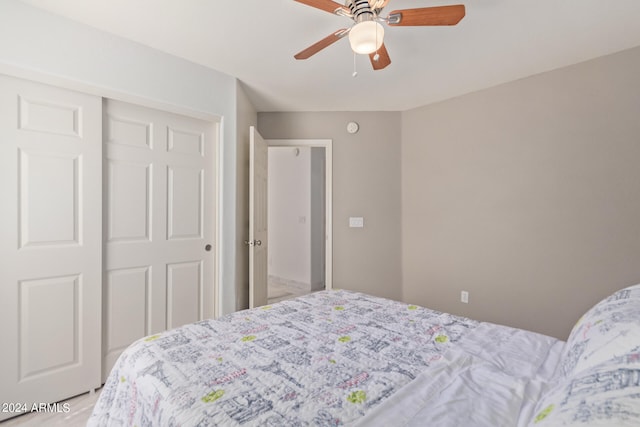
(352, 127)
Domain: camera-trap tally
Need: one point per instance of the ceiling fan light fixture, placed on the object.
(366, 37)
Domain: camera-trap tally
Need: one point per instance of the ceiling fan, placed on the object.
(366, 34)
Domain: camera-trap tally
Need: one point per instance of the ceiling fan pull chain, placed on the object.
(355, 72)
(377, 55)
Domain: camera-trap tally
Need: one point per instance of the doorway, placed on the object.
(299, 220)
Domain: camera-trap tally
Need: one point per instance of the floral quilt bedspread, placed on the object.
(325, 359)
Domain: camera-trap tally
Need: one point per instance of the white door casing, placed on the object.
(50, 243)
(258, 220)
(159, 223)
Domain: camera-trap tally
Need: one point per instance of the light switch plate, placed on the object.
(356, 222)
(464, 297)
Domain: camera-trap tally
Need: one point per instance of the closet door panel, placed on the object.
(50, 250)
(185, 203)
(159, 219)
(127, 308)
(48, 193)
(129, 201)
(184, 288)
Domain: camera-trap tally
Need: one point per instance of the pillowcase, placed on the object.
(611, 328)
(605, 396)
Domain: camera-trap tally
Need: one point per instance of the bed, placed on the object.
(340, 358)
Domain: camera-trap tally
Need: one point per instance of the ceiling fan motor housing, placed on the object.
(361, 10)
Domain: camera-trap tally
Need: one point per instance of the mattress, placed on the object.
(331, 358)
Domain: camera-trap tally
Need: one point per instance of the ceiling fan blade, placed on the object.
(383, 58)
(326, 5)
(439, 15)
(317, 47)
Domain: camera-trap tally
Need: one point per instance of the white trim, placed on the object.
(217, 241)
(101, 91)
(327, 144)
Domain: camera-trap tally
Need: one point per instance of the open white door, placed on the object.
(50, 244)
(258, 225)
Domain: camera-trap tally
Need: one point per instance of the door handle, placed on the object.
(207, 248)
(253, 243)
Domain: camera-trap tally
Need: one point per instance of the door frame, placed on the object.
(327, 144)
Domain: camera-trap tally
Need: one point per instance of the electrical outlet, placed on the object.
(464, 297)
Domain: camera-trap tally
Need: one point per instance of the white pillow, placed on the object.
(610, 329)
(605, 396)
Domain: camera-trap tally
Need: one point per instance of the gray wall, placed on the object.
(527, 195)
(366, 182)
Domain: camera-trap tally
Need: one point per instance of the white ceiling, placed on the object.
(255, 40)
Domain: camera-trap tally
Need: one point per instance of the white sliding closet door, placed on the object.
(50, 243)
(159, 223)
